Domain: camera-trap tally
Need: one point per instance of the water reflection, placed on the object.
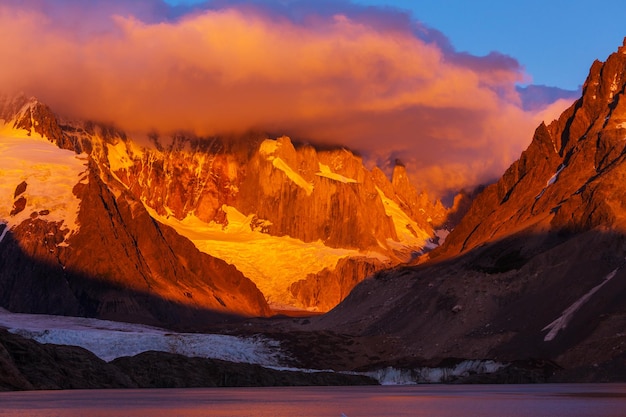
(572, 400)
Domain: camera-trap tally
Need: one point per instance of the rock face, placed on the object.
(569, 178)
(324, 198)
(124, 266)
(123, 250)
(291, 191)
(329, 287)
(26, 364)
(536, 269)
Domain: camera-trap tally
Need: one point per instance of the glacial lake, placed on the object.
(550, 400)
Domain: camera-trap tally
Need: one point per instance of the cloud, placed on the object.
(368, 79)
(536, 96)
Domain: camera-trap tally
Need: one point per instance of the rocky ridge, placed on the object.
(569, 178)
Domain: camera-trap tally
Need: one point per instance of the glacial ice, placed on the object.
(109, 340)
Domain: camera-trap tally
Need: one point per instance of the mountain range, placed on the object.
(138, 228)
(221, 233)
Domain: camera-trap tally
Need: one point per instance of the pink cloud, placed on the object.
(352, 79)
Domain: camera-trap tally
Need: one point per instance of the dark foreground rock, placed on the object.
(28, 365)
(167, 370)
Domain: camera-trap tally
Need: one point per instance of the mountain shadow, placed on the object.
(553, 296)
(30, 285)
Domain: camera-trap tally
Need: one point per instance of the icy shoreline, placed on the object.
(111, 340)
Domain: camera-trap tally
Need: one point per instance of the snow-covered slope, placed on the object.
(75, 241)
(37, 179)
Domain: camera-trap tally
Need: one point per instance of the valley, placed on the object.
(211, 236)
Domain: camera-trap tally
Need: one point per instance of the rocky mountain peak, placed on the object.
(29, 114)
(568, 178)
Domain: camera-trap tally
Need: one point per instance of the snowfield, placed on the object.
(259, 255)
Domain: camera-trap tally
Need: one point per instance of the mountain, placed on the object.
(281, 213)
(182, 231)
(77, 243)
(569, 177)
(536, 268)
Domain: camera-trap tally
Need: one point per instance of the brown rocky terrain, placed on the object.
(329, 287)
(124, 267)
(569, 178)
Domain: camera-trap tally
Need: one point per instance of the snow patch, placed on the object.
(118, 157)
(553, 178)
(292, 175)
(408, 232)
(50, 172)
(5, 229)
(268, 149)
(561, 323)
(438, 239)
(613, 88)
(326, 172)
(551, 181)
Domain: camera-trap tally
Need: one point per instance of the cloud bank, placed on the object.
(334, 73)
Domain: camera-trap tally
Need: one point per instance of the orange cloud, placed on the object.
(454, 119)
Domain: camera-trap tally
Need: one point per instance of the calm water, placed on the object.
(571, 400)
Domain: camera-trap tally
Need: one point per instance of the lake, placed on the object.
(549, 400)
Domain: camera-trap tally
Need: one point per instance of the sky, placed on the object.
(433, 84)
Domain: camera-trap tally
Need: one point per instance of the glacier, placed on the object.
(110, 340)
